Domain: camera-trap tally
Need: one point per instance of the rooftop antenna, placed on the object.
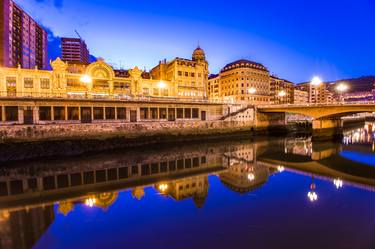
(78, 34)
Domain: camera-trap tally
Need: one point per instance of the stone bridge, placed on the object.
(326, 118)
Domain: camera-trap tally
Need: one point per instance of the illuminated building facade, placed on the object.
(319, 94)
(23, 41)
(188, 78)
(281, 91)
(300, 97)
(242, 80)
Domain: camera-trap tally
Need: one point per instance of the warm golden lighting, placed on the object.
(316, 81)
(90, 202)
(163, 187)
(342, 87)
(251, 177)
(86, 79)
(282, 93)
(280, 169)
(252, 90)
(162, 84)
(338, 183)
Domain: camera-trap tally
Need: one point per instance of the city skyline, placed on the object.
(148, 33)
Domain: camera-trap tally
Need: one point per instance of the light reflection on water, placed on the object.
(208, 195)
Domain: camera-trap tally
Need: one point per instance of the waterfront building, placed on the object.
(300, 96)
(213, 88)
(281, 91)
(23, 41)
(242, 80)
(74, 50)
(188, 78)
(318, 94)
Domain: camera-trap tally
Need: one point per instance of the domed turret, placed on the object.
(199, 55)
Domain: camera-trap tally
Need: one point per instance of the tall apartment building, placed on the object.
(242, 80)
(74, 50)
(23, 41)
(317, 94)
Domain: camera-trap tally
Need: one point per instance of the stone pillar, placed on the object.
(325, 129)
(66, 113)
(2, 113)
(36, 114)
(20, 115)
(52, 114)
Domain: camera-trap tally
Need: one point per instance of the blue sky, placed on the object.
(295, 39)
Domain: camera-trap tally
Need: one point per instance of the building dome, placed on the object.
(199, 54)
(244, 64)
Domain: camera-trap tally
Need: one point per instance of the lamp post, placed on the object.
(282, 94)
(161, 85)
(316, 81)
(341, 89)
(86, 79)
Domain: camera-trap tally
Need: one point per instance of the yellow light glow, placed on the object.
(282, 93)
(251, 177)
(280, 169)
(316, 81)
(86, 79)
(162, 84)
(163, 187)
(90, 202)
(342, 87)
(252, 90)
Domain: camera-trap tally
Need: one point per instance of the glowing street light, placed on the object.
(86, 79)
(280, 169)
(342, 87)
(282, 93)
(90, 202)
(252, 90)
(313, 196)
(316, 81)
(162, 85)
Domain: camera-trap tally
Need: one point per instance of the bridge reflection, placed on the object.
(30, 191)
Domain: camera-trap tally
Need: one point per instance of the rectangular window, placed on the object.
(180, 113)
(11, 81)
(187, 113)
(186, 74)
(44, 113)
(165, 92)
(162, 113)
(98, 113)
(121, 85)
(72, 82)
(101, 84)
(110, 113)
(195, 113)
(44, 83)
(121, 113)
(11, 113)
(146, 91)
(73, 113)
(144, 113)
(156, 92)
(192, 74)
(28, 82)
(59, 112)
(179, 73)
(154, 113)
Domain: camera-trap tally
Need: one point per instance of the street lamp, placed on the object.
(316, 81)
(162, 85)
(341, 89)
(86, 79)
(252, 90)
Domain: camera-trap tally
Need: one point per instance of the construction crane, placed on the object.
(78, 34)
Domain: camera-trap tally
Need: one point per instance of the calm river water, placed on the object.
(267, 193)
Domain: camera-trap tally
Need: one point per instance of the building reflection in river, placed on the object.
(365, 135)
(179, 173)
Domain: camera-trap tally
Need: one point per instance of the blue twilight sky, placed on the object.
(295, 39)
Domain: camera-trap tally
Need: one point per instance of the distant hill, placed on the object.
(362, 84)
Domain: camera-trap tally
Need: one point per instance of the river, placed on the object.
(243, 193)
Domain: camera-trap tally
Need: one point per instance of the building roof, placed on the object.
(212, 76)
(244, 64)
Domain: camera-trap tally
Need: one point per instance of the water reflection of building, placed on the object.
(22, 229)
(364, 135)
(195, 187)
(244, 177)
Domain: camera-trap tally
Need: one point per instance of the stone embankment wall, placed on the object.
(22, 142)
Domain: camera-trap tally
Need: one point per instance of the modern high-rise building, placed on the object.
(74, 50)
(23, 41)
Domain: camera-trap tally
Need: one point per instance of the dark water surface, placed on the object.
(268, 193)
